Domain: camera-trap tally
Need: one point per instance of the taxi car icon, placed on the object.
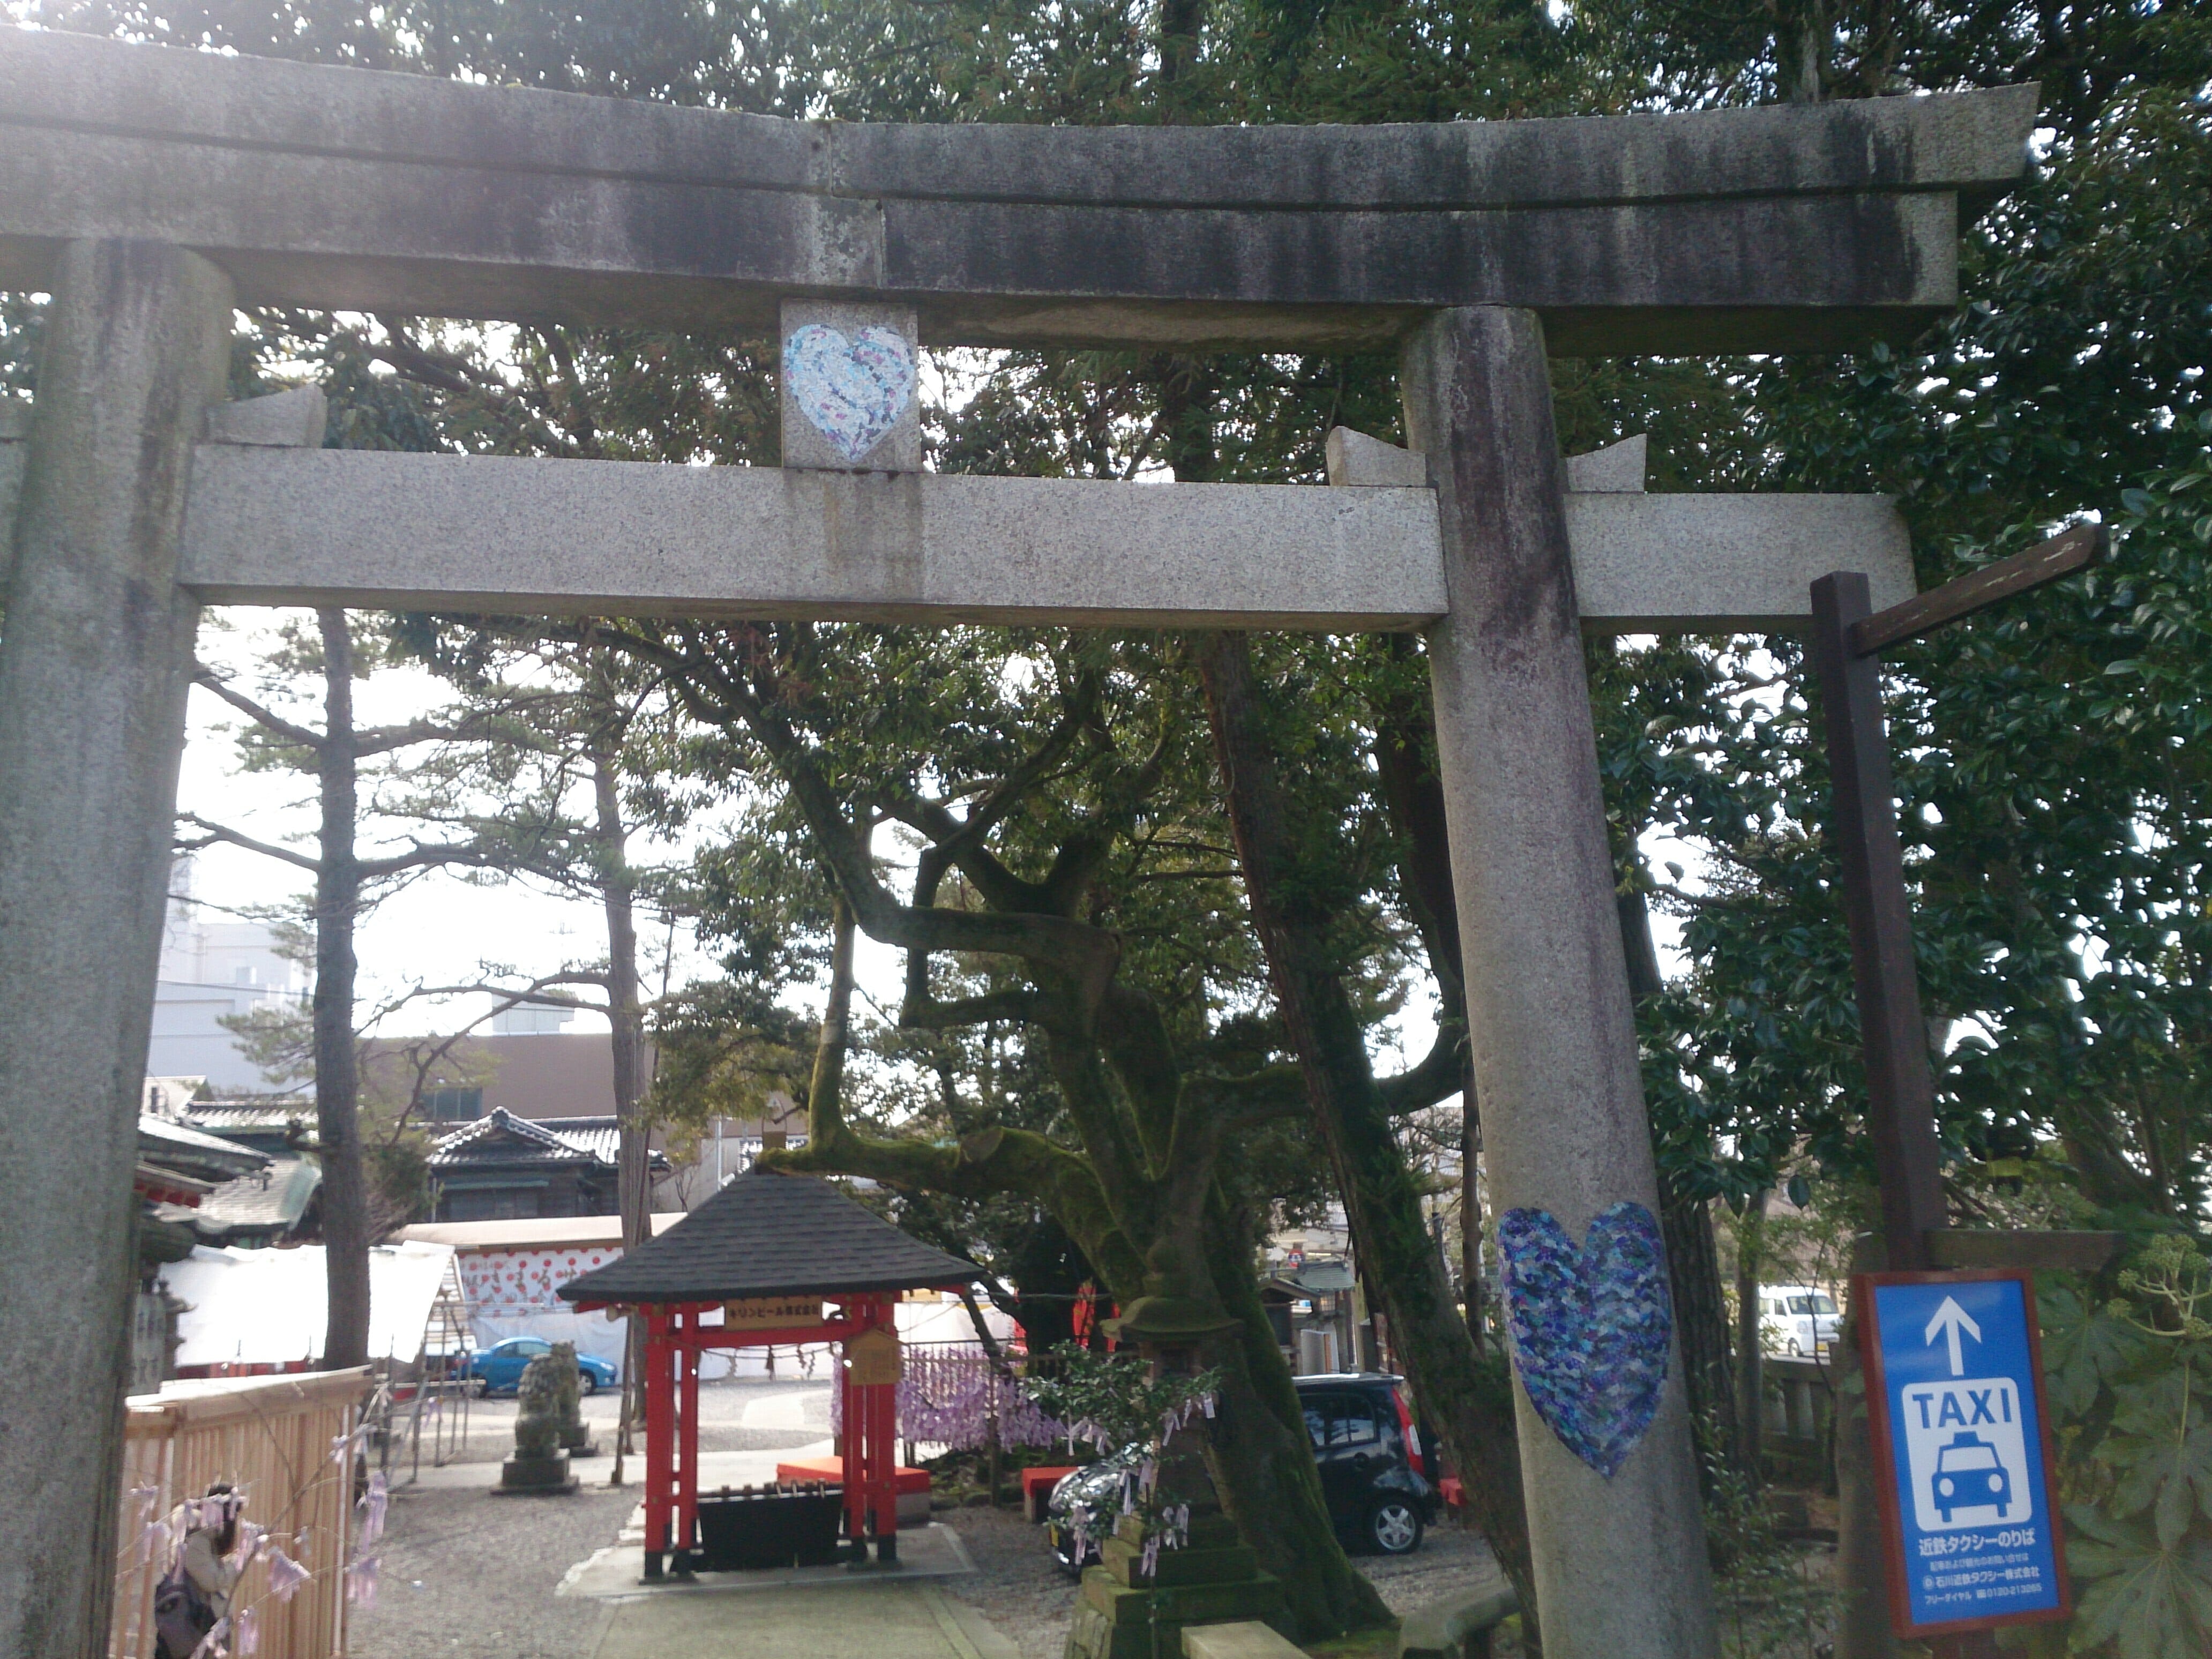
(1969, 1475)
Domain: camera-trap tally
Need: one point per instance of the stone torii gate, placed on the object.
(150, 191)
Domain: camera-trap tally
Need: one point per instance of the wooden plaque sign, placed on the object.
(875, 1358)
(771, 1313)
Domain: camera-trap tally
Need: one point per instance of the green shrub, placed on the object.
(2128, 1388)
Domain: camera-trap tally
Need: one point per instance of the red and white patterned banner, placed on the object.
(500, 1282)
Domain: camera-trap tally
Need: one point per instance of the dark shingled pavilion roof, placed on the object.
(771, 1235)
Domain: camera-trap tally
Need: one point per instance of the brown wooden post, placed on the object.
(1900, 1094)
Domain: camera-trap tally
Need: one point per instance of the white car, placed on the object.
(1796, 1320)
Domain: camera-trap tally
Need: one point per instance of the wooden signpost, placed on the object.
(1846, 643)
(1847, 639)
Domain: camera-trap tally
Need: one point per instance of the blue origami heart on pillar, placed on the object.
(1592, 1325)
(853, 392)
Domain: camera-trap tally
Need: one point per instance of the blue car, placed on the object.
(501, 1365)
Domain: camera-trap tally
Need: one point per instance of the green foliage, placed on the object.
(2053, 804)
(1771, 1597)
(398, 1184)
(2130, 1389)
(1117, 1399)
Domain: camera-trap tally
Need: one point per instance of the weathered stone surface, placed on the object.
(93, 667)
(1356, 461)
(78, 81)
(557, 537)
(360, 528)
(1124, 1559)
(1619, 1560)
(1684, 563)
(538, 1409)
(1896, 143)
(283, 420)
(1251, 1597)
(15, 420)
(522, 1476)
(1113, 1621)
(1446, 1629)
(1238, 1641)
(1727, 229)
(1617, 469)
(12, 455)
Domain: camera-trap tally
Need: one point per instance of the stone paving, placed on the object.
(868, 1621)
(465, 1575)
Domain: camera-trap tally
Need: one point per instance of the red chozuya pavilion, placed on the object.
(759, 1258)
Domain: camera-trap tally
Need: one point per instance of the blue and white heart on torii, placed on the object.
(850, 374)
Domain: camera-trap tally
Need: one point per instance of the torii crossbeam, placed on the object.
(149, 191)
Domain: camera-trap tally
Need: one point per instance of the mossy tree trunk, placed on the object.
(1466, 1394)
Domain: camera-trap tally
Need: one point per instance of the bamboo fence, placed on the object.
(287, 1443)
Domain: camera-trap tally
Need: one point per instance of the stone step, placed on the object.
(1242, 1641)
(1255, 1597)
(1175, 1567)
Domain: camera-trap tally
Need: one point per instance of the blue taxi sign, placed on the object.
(1962, 1448)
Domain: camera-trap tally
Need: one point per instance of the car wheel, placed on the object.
(1394, 1527)
(1063, 1552)
(590, 1384)
(1795, 1351)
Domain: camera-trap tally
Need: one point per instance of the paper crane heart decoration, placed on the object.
(853, 391)
(1592, 1326)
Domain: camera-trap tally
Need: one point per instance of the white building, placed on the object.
(211, 969)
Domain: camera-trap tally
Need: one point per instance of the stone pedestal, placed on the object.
(535, 1477)
(1122, 1613)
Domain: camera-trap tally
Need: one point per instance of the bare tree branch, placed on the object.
(217, 832)
(267, 718)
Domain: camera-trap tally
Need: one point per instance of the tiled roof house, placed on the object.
(505, 1168)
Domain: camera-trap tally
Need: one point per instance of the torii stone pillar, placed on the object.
(1620, 1561)
(94, 669)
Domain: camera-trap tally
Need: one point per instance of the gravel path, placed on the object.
(797, 1413)
(1019, 1588)
(467, 1575)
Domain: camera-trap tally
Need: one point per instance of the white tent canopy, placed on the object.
(269, 1307)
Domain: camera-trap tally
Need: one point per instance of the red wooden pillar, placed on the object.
(875, 1410)
(883, 1465)
(659, 1443)
(851, 1440)
(688, 1494)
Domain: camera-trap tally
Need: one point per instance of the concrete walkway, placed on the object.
(613, 1573)
(873, 1621)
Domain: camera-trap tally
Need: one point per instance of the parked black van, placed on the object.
(1373, 1471)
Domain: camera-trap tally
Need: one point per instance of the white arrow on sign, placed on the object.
(1951, 1319)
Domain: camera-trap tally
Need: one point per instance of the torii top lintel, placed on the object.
(1781, 228)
